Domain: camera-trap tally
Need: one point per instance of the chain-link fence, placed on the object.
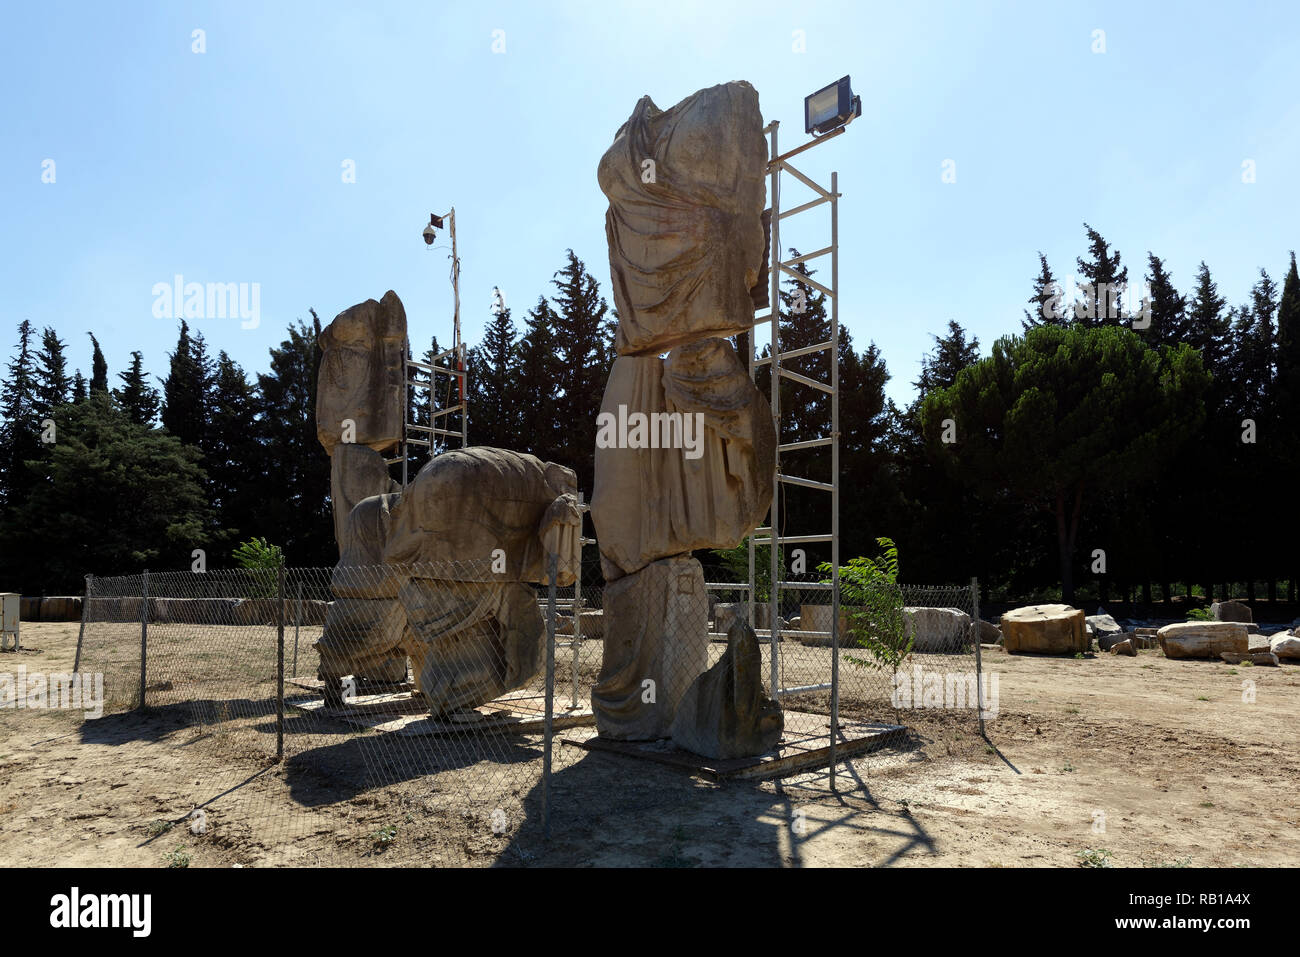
(413, 714)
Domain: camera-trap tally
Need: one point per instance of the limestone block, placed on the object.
(1285, 645)
(1259, 658)
(1044, 630)
(361, 375)
(686, 243)
(656, 644)
(697, 474)
(938, 629)
(1231, 611)
(1123, 647)
(725, 713)
(1203, 639)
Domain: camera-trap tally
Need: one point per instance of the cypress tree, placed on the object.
(98, 367)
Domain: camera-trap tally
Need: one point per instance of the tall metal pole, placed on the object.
(775, 368)
(456, 343)
(279, 666)
(85, 613)
(404, 450)
(835, 468)
(979, 689)
(297, 623)
(455, 283)
(549, 732)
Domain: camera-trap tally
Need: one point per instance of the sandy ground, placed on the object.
(1158, 762)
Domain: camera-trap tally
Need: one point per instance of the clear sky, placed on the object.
(227, 165)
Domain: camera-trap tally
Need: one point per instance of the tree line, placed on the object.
(1102, 448)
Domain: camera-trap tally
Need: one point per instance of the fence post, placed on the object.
(85, 613)
(553, 565)
(279, 666)
(297, 623)
(835, 664)
(144, 633)
(979, 679)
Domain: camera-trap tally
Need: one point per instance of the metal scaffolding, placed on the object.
(772, 534)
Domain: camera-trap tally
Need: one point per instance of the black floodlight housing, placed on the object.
(429, 234)
(831, 106)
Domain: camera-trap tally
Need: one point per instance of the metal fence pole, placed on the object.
(85, 613)
(835, 467)
(279, 666)
(297, 623)
(553, 564)
(144, 632)
(979, 689)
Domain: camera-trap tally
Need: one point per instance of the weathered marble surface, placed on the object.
(655, 502)
(361, 375)
(686, 234)
(356, 472)
(725, 713)
(437, 573)
(656, 644)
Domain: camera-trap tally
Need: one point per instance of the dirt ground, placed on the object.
(1154, 762)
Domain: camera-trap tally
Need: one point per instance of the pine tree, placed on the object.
(584, 336)
(1286, 413)
(185, 389)
(494, 364)
(138, 399)
(19, 433)
(52, 386)
(1104, 281)
(1288, 350)
(1049, 307)
(80, 392)
(299, 517)
(950, 355)
(231, 453)
(1208, 327)
(98, 367)
(540, 374)
(119, 497)
(1168, 309)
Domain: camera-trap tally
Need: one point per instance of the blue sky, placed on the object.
(226, 166)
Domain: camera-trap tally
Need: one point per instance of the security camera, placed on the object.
(429, 233)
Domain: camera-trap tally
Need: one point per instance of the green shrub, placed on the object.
(869, 589)
(263, 561)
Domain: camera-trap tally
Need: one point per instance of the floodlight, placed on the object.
(830, 107)
(430, 231)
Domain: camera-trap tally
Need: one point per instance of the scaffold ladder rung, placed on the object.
(805, 444)
(804, 482)
(804, 380)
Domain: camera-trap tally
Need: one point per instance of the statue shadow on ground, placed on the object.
(611, 811)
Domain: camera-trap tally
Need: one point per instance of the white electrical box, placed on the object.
(9, 605)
